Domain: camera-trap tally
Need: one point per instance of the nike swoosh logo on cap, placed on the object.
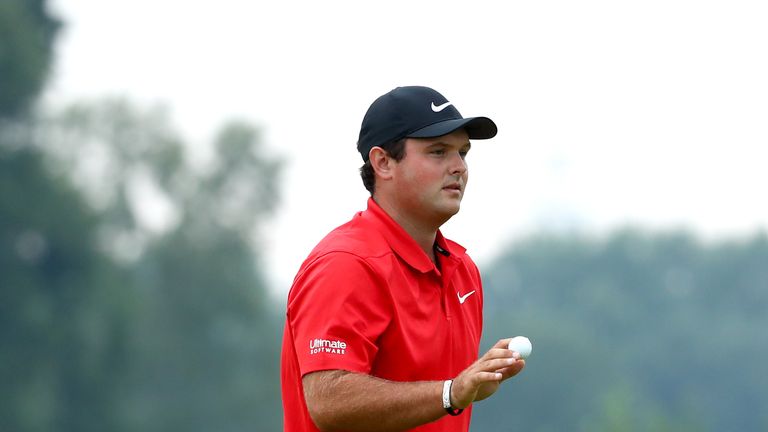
(463, 298)
(438, 108)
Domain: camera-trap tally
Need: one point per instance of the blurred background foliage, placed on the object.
(113, 318)
(634, 332)
(110, 320)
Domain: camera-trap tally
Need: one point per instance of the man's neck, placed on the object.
(423, 233)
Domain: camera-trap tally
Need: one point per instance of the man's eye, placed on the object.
(438, 151)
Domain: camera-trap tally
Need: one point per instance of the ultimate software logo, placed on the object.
(317, 346)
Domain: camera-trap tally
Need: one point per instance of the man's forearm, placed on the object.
(341, 400)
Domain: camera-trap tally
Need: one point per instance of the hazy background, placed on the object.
(609, 113)
(166, 166)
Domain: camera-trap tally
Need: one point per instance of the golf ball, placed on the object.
(522, 345)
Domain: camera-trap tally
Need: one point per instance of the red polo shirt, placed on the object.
(369, 300)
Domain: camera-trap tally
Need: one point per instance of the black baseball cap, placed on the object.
(416, 112)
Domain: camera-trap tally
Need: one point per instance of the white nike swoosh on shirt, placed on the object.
(463, 298)
(438, 108)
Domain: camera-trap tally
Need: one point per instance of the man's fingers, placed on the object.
(495, 353)
(477, 378)
(496, 364)
(481, 372)
(502, 343)
(483, 377)
(467, 389)
(512, 370)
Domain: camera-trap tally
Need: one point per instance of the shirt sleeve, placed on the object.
(339, 308)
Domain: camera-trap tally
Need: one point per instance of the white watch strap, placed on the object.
(447, 394)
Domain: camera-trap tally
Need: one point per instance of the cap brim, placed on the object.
(476, 127)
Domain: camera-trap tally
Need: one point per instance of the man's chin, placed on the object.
(448, 210)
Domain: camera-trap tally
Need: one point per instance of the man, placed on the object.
(384, 317)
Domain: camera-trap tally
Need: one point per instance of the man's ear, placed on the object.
(381, 162)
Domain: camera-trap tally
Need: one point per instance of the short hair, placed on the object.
(395, 150)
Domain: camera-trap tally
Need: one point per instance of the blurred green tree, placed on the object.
(206, 336)
(62, 312)
(110, 317)
(62, 315)
(27, 31)
(647, 331)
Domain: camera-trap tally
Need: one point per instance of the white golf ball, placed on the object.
(522, 345)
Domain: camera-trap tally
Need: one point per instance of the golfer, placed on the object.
(384, 317)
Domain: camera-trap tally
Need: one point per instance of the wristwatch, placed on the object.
(447, 399)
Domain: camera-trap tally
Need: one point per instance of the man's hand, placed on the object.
(483, 377)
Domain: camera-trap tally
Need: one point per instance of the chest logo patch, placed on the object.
(325, 346)
(463, 298)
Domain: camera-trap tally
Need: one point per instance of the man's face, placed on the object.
(431, 178)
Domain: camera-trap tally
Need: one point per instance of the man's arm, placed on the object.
(342, 400)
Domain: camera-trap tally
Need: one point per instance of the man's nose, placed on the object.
(458, 163)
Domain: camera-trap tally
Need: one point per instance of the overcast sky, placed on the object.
(610, 113)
